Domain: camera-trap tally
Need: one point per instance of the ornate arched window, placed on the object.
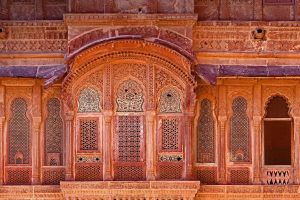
(239, 131)
(89, 101)
(54, 134)
(170, 101)
(130, 97)
(277, 132)
(19, 133)
(129, 135)
(206, 133)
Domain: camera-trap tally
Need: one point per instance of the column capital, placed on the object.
(222, 118)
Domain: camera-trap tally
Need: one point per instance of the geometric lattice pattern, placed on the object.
(130, 97)
(129, 173)
(89, 172)
(18, 133)
(88, 134)
(169, 102)
(53, 176)
(89, 101)
(54, 130)
(207, 176)
(170, 171)
(206, 134)
(239, 176)
(129, 130)
(240, 132)
(170, 134)
(19, 176)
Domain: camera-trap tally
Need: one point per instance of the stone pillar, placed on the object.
(36, 112)
(69, 118)
(35, 150)
(2, 119)
(150, 145)
(107, 147)
(221, 135)
(296, 151)
(188, 145)
(222, 149)
(257, 150)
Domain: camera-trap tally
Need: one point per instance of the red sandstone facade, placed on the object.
(124, 99)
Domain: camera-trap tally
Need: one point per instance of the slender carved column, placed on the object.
(35, 150)
(2, 119)
(188, 145)
(257, 150)
(222, 149)
(69, 118)
(36, 111)
(150, 144)
(221, 135)
(107, 149)
(296, 147)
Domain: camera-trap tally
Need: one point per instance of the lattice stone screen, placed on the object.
(170, 101)
(18, 133)
(88, 134)
(239, 132)
(89, 101)
(170, 135)
(129, 132)
(205, 134)
(54, 133)
(130, 97)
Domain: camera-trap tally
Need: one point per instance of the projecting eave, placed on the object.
(210, 73)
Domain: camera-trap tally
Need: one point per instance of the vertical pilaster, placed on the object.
(107, 148)
(36, 108)
(188, 145)
(39, 9)
(296, 116)
(2, 118)
(69, 119)
(257, 150)
(296, 150)
(150, 144)
(222, 119)
(35, 150)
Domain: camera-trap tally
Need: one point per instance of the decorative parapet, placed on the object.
(130, 190)
(250, 192)
(228, 36)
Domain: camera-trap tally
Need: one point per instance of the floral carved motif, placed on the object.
(170, 101)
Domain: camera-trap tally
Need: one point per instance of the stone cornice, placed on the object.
(130, 19)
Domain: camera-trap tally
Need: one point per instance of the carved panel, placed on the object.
(170, 101)
(278, 176)
(89, 101)
(239, 132)
(129, 173)
(239, 176)
(18, 176)
(54, 133)
(130, 97)
(207, 176)
(53, 176)
(19, 133)
(170, 171)
(88, 172)
(205, 133)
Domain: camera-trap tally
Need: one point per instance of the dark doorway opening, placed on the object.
(277, 133)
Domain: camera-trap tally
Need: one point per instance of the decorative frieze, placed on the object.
(80, 158)
(170, 158)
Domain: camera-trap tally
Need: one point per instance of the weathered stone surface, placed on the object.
(211, 72)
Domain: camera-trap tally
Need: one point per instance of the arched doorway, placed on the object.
(277, 141)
